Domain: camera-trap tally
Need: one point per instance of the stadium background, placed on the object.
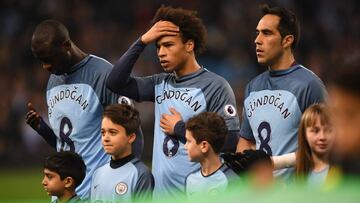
(330, 31)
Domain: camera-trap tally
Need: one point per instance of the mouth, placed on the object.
(164, 63)
(322, 146)
(259, 52)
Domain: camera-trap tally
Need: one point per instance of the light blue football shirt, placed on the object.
(214, 184)
(273, 105)
(75, 104)
(125, 180)
(190, 95)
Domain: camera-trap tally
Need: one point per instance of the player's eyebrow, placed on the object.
(158, 44)
(266, 30)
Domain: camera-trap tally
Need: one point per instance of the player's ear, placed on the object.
(190, 45)
(131, 138)
(287, 41)
(69, 182)
(204, 146)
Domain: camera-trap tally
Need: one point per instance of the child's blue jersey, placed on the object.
(75, 104)
(124, 180)
(214, 184)
(273, 105)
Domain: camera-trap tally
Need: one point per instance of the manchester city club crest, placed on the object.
(121, 188)
(230, 110)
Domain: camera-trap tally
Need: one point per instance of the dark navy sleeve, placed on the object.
(47, 133)
(315, 93)
(245, 130)
(120, 81)
(144, 186)
(223, 102)
(179, 131)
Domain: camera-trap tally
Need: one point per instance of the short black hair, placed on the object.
(67, 164)
(125, 115)
(191, 26)
(210, 127)
(52, 32)
(288, 25)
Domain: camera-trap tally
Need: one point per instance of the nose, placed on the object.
(105, 137)
(161, 52)
(322, 135)
(258, 39)
(44, 182)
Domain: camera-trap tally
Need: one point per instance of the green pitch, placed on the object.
(22, 185)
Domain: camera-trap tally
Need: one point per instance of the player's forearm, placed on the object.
(119, 77)
(245, 144)
(179, 131)
(284, 161)
(47, 133)
(231, 141)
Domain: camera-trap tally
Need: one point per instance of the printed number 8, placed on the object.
(65, 137)
(264, 143)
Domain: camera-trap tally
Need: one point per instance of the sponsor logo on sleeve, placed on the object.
(230, 110)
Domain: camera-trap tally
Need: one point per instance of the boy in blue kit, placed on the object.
(205, 136)
(125, 178)
(63, 172)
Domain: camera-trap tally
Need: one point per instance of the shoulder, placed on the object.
(256, 81)
(215, 78)
(101, 169)
(305, 75)
(141, 168)
(194, 173)
(98, 65)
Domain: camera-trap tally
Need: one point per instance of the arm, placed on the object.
(284, 161)
(245, 144)
(38, 124)
(119, 80)
(172, 124)
(144, 187)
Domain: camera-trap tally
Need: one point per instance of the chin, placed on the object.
(168, 70)
(262, 62)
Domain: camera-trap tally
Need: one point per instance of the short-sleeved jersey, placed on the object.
(190, 95)
(273, 105)
(124, 181)
(318, 178)
(75, 104)
(214, 184)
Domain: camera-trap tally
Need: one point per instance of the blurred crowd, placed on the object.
(330, 30)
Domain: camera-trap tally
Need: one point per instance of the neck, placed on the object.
(67, 195)
(126, 153)
(210, 164)
(189, 66)
(320, 162)
(76, 54)
(284, 62)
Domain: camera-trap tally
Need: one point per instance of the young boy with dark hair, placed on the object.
(125, 178)
(63, 172)
(205, 136)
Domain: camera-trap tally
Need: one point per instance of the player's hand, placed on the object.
(159, 29)
(32, 117)
(168, 121)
